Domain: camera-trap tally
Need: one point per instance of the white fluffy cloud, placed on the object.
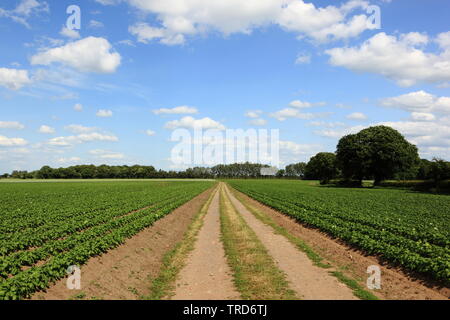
(81, 138)
(402, 59)
(12, 142)
(419, 101)
(150, 133)
(287, 113)
(356, 116)
(104, 113)
(78, 107)
(11, 125)
(73, 34)
(183, 18)
(90, 54)
(192, 123)
(176, 110)
(14, 79)
(46, 129)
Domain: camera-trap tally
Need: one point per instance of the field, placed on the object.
(224, 239)
(407, 228)
(47, 227)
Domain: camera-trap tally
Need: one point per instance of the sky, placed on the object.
(113, 89)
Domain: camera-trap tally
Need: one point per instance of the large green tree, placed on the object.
(322, 167)
(377, 152)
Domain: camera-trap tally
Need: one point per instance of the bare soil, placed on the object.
(309, 281)
(127, 271)
(396, 284)
(206, 275)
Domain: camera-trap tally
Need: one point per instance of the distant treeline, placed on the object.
(237, 170)
(377, 153)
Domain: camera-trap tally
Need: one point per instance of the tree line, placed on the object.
(376, 153)
(237, 170)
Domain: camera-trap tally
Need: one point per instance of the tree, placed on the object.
(377, 152)
(439, 170)
(424, 171)
(322, 167)
(296, 170)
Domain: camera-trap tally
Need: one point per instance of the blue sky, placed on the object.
(114, 90)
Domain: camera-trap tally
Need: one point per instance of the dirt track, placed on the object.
(207, 275)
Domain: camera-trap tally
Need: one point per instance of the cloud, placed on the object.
(96, 24)
(13, 79)
(419, 101)
(73, 34)
(303, 104)
(253, 114)
(176, 110)
(81, 138)
(192, 123)
(105, 154)
(78, 107)
(293, 152)
(401, 58)
(338, 133)
(24, 10)
(287, 113)
(145, 33)
(356, 116)
(327, 124)
(76, 128)
(108, 2)
(46, 129)
(303, 58)
(258, 122)
(12, 142)
(179, 19)
(68, 160)
(11, 125)
(90, 54)
(422, 116)
(104, 113)
(150, 132)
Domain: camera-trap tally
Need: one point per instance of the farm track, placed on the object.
(207, 275)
